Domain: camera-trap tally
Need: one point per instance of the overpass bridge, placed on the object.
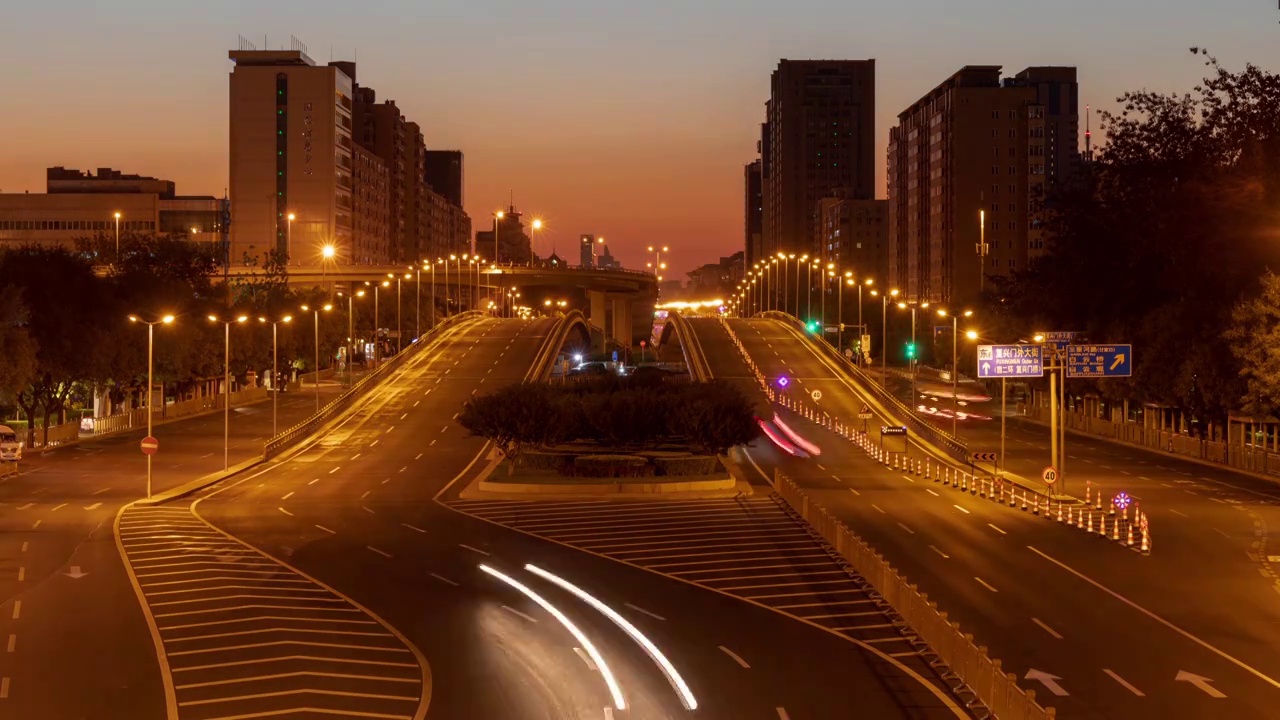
(617, 303)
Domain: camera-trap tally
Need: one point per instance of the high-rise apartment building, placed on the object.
(969, 167)
(855, 236)
(444, 174)
(587, 250)
(753, 204)
(290, 153)
(818, 142)
(370, 234)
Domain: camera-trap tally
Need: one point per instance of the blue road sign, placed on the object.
(1099, 361)
(1010, 361)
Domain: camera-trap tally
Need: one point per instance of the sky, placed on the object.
(629, 120)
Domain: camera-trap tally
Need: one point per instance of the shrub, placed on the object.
(714, 417)
(687, 465)
(611, 466)
(554, 461)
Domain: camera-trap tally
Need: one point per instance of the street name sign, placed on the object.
(1059, 339)
(1099, 361)
(1010, 361)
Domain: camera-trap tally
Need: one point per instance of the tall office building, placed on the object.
(753, 204)
(290, 153)
(587, 251)
(818, 142)
(974, 160)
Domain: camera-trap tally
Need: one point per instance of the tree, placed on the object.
(715, 416)
(514, 418)
(1154, 241)
(1254, 337)
(18, 366)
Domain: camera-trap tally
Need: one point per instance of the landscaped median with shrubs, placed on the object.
(613, 427)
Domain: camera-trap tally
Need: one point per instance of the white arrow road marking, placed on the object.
(1050, 682)
(76, 573)
(1201, 682)
(1124, 683)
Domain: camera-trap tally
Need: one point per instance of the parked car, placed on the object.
(10, 445)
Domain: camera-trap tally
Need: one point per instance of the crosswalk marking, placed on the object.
(753, 548)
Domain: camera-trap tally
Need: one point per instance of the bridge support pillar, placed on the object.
(596, 314)
(622, 331)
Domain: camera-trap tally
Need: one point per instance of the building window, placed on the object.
(1013, 169)
(995, 169)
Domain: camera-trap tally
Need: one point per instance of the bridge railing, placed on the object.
(280, 442)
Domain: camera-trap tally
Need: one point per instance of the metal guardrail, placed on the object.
(545, 360)
(278, 443)
(691, 346)
(954, 447)
(965, 665)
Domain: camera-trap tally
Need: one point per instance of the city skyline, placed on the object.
(657, 156)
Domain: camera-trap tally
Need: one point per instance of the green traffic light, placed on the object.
(911, 351)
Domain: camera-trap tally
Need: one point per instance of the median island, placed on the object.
(646, 434)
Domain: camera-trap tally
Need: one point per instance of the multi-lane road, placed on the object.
(1189, 631)
(348, 579)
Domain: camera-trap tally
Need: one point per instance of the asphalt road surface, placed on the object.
(1191, 631)
(76, 644)
(370, 512)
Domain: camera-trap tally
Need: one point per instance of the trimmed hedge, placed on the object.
(611, 466)
(688, 465)
(554, 461)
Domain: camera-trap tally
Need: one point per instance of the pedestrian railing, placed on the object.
(966, 666)
(281, 441)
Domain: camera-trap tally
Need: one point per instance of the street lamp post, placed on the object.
(117, 216)
(955, 370)
(226, 386)
(377, 355)
(326, 255)
(288, 234)
(417, 302)
(499, 215)
(884, 336)
(351, 333)
(803, 258)
(275, 367)
(316, 377)
(151, 326)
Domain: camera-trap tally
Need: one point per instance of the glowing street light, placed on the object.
(226, 387)
(151, 326)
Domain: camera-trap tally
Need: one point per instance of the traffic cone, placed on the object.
(1075, 517)
(1097, 501)
(1115, 528)
(1146, 542)
(1090, 528)
(1129, 539)
(1024, 501)
(946, 479)
(927, 466)
(1113, 507)
(964, 482)
(1013, 500)
(1088, 489)
(982, 489)
(1102, 525)
(1035, 509)
(1059, 511)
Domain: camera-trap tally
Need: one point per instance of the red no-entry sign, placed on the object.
(150, 445)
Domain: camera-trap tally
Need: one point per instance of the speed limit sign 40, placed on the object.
(1049, 475)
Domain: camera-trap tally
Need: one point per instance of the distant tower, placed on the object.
(1088, 137)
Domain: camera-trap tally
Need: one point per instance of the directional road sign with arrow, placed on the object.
(1010, 361)
(1099, 361)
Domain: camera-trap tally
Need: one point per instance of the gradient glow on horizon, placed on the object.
(627, 120)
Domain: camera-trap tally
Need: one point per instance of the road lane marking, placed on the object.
(931, 492)
(286, 497)
(985, 584)
(4, 688)
(335, 470)
(1123, 683)
(331, 532)
(904, 477)
(433, 442)
(366, 494)
(286, 512)
(404, 416)
(415, 529)
(393, 427)
(530, 618)
(24, 507)
(966, 512)
(580, 653)
(836, 478)
(877, 507)
(24, 547)
(820, 467)
(22, 574)
(17, 609)
(371, 512)
(993, 527)
(406, 467)
(446, 427)
(1175, 512)
(904, 527)
(1222, 533)
(1046, 628)
(1220, 653)
(415, 404)
(13, 642)
(418, 457)
(782, 714)
(357, 455)
(375, 442)
(639, 609)
(735, 657)
(855, 492)
(383, 553)
(443, 579)
(99, 492)
(313, 482)
(474, 550)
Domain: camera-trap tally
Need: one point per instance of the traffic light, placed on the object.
(813, 326)
(911, 351)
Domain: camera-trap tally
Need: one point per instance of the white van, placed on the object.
(10, 445)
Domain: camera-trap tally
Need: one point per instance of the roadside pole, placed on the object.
(1053, 419)
(1004, 410)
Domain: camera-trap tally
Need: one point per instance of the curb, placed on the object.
(608, 488)
(199, 483)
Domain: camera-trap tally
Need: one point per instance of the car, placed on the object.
(10, 445)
